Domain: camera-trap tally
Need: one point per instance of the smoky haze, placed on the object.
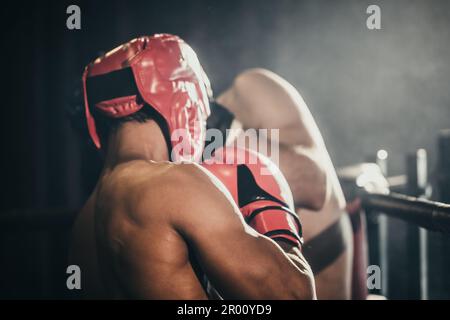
(371, 89)
(367, 89)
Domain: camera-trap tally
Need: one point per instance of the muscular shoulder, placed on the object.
(169, 191)
(192, 190)
(268, 89)
(262, 99)
(261, 80)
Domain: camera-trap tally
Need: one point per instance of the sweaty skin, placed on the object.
(151, 228)
(260, 99)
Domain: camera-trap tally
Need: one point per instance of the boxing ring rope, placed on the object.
(431, 215)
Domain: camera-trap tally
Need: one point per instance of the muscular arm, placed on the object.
(262, 100)
(240, 263)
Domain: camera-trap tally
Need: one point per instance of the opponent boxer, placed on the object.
(151, 228)
(260, 99)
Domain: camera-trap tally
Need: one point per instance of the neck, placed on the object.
(136, 141)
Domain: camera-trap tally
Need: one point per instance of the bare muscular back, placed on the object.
(97, 250)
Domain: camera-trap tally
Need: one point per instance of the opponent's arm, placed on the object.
(260, 99)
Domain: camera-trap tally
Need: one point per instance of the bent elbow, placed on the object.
(303, 286)
(305, 295)
(313, 196)
(308, 179)
(317, 201)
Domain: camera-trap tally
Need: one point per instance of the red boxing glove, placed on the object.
(261, 192)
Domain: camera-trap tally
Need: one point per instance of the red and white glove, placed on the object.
(261, 192)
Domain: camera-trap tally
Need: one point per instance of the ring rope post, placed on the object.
(417, 237)
(383, 234)
(441, 243)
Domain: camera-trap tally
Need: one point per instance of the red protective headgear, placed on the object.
(163, 72)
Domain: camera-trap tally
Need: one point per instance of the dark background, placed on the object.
(367, 89)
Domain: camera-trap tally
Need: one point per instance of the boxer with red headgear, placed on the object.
(152, 228)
